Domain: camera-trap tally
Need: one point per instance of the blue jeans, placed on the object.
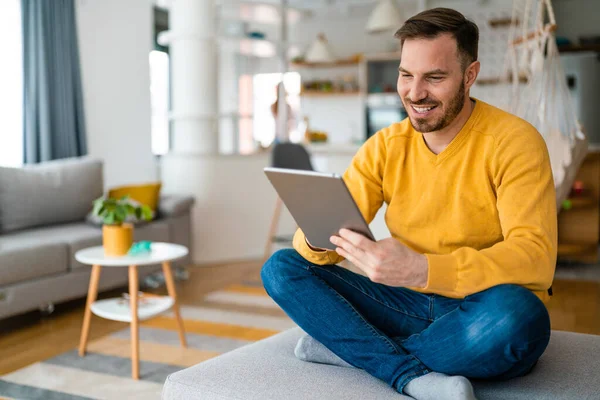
(397, 334)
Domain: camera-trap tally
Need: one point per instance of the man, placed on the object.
(457, 291)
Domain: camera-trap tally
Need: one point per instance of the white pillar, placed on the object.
(194, 102)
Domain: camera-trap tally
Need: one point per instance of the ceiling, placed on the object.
(317, 7)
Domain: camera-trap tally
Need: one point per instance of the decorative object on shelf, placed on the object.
(144, 299)
(579, 219)
(320, 51)
(301, 62)
(579, 197)
(142, 247)
(256, 35)
(321, 85)
(316, 137)
(384, 17)
(347, 84)
(578, 188)
(311, 136)
(567, 204)
(117, 235)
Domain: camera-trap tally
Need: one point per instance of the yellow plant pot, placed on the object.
(117, 239)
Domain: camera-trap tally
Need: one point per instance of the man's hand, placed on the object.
(387, 261)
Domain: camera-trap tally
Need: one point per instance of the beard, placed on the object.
(425, 125)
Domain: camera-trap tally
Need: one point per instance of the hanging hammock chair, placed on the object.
(538, 90)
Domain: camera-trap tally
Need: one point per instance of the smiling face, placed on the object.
(431, 82)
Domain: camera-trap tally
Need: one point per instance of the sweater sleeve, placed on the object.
(364, 179)
(526, 203)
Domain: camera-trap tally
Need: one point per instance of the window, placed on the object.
(160, 91)
(11, 82)
(264, 95)
(159, 101)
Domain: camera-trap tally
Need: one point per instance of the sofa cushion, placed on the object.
(155, 231)
(174, 205)
(54, 192)
(25, 259)
(73, 237)
(147, 193)
(77, 236)
(269, 370)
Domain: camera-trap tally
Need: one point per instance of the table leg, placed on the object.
(173, 294)
(133, 302)
(87, 316)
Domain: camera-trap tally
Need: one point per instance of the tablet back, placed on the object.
(320, 204)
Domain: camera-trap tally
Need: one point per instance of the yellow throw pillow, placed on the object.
(147, 194)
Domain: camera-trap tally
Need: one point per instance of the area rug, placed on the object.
(225, 320)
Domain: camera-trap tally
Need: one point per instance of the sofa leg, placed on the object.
(46, 309)
(153, 281)
(181, 274)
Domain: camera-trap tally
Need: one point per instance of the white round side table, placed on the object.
(118, 310)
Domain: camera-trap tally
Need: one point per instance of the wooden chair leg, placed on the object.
(135, 340)
(173, 294)
(87, 317)
(273, 228)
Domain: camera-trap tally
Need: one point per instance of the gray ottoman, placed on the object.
(569, 369)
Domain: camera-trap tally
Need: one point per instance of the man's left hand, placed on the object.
(387, 261)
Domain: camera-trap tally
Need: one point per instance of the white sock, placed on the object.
(311, 350)
(436, 386)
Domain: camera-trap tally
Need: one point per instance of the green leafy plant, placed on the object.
(116, 211)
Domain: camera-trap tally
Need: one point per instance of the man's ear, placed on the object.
(471, 74)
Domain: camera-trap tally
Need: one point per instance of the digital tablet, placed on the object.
(320, 203)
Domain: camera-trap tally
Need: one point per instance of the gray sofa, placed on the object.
(43, 222)
(268, 370)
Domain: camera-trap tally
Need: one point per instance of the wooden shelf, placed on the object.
(497, 81)
(572, 48)
(579, 227)
(502, 22)
(582, 202)
(571, 249)
(319, 93)
(335, 64)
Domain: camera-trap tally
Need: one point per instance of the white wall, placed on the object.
(234, 204)
(115, 38)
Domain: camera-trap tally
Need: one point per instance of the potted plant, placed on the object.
(117, 234)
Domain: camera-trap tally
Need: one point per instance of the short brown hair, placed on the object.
(432, 23)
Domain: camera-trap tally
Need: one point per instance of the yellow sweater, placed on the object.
(483, 211)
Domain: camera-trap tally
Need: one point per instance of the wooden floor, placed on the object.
(575, 307)
(30, 339)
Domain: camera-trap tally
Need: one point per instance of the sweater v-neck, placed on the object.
(456, 143)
